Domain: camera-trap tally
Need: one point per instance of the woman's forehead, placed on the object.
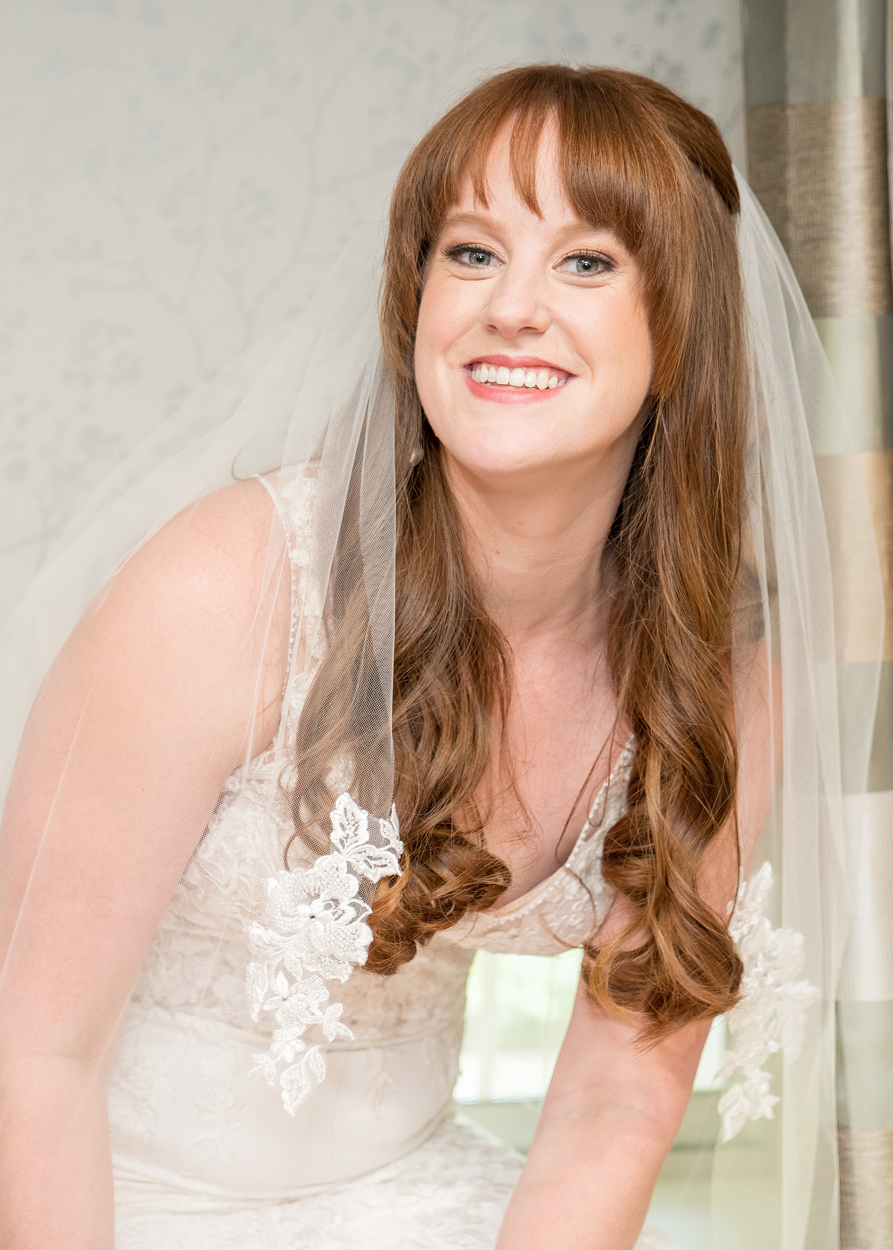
(528, 167)
(516, 165)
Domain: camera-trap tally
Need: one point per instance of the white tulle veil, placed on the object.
(317, 394)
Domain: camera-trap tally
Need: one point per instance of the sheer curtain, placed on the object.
(817, 88)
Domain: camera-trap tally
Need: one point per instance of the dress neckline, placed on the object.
(593, 822)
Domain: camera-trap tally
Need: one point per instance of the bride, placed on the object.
(496, 657)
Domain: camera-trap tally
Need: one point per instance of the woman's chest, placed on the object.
(556, 752)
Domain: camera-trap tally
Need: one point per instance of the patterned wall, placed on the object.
(176, 175)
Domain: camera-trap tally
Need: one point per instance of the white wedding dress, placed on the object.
(205, 1155)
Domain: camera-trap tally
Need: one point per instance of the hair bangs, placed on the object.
(619, 169)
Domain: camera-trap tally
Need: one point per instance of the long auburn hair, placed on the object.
(641, 161)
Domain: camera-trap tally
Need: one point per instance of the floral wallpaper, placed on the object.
(176, 176)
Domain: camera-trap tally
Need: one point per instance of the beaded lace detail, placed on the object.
(314, 930)
(771, 1015)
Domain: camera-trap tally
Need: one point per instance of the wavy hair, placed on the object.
(637, 159)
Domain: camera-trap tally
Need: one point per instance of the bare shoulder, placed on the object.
(171, 679)
(228, 532)
(758, 723)
(757, 727)
(218, 558)
(195, 617)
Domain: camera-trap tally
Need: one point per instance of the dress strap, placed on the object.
(293, 500)
(293, 496)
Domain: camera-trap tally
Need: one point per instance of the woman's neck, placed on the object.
(536, 545)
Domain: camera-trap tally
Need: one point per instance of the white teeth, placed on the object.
(529, 379)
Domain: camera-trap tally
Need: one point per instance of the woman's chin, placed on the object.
(501, 464)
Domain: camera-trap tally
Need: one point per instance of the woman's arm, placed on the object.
(612, 1110)
(151, 704)
(608, 1121)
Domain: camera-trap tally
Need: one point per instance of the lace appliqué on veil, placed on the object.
(771, 1015)
(314, 930)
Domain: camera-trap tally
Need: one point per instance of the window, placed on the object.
(517, 1013)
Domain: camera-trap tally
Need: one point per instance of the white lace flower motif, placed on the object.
(771, 1015)
(314, 930)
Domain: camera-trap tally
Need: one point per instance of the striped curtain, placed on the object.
(818, 86)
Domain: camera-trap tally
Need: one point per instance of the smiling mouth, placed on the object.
(518, 379)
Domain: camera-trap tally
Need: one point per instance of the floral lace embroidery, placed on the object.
(771, 1015)
(314, 931)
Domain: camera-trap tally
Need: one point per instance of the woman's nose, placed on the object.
(517, 304)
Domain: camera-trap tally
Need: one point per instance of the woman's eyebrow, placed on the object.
(570, 231)
(481, 220)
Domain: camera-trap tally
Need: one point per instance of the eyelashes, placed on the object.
(599, 264)
(471, 249)
(588, 257)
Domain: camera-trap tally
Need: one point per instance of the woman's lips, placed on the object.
(504, 379)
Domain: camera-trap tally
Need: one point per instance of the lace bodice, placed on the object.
(396, 1038)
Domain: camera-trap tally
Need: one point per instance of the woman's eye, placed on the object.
(587, 264)
(472, 257)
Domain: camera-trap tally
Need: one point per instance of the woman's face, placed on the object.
(532, 350)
